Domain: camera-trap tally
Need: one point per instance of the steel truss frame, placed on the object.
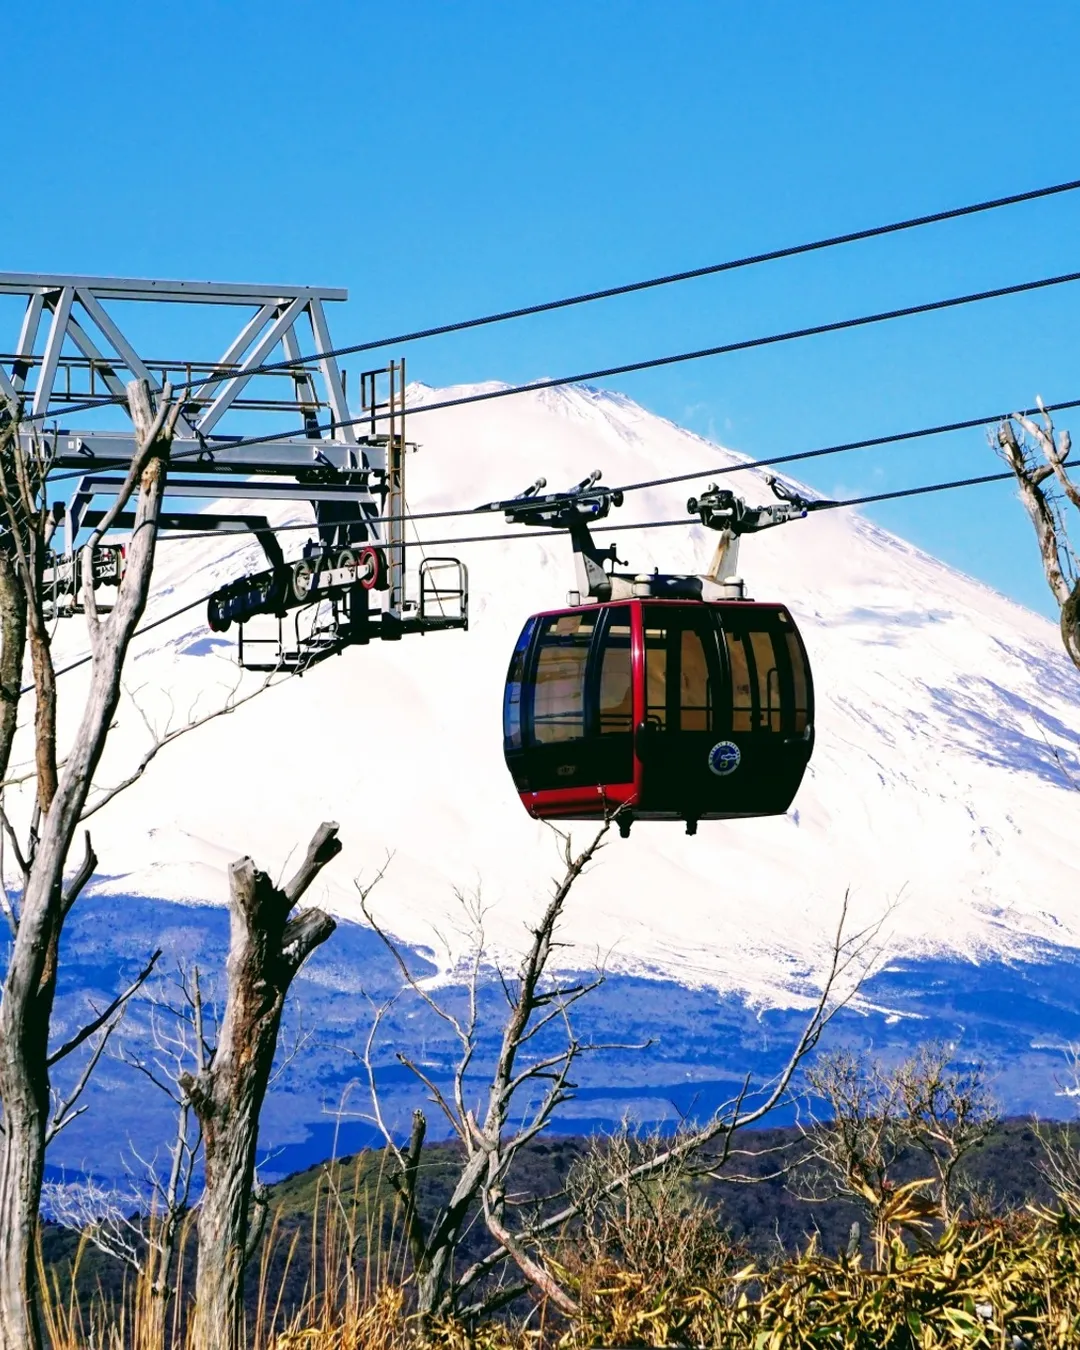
(71, 347)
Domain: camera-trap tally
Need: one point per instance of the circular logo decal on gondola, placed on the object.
(724, 758)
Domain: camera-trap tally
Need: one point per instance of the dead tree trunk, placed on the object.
(266, 949)
(1058, 558)
(12, 650)
(30, 983)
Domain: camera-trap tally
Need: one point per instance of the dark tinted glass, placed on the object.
(764, 643)
(695, 685)
(681, 668)
(559, 694)
(512, 693)
(742, 691)
(770, 676)
(656, 669)
(616, 694)
(800, 676)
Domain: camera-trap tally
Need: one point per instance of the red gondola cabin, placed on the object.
(670, 709)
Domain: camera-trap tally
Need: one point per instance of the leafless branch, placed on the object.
(848, 951)
(103, 1213)
(65, 1110)
(74, 888)
(12, 838)
(490, 1146)
(233, 701)
(84, 1033)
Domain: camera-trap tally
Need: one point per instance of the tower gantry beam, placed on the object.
(75, 353)
(71, 347)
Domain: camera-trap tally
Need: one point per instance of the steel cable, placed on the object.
(824, 505)
(632, 287)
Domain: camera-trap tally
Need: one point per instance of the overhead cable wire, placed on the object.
(868, 443)
(816, 505)
(632, 287)
(657, 362)
(143, 628)
(821, 505)
(922, 491)
(507, 391)
(717, 470)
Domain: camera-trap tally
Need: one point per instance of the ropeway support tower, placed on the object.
(76, 348)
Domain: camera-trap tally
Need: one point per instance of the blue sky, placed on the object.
(446, 159)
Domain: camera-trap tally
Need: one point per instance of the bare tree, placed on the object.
(657, 1227)
(876, 1117)
(537, 1000)
(266, 949)
(143, 1224)
(1044, 487)
(948, 1112)
(853, 1152)
(490, 1146)
(1060, 1163)
(140, 1224)
(30, 983)
(37, 902)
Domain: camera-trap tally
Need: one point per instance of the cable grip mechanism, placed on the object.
(583, 503)
(721, 509)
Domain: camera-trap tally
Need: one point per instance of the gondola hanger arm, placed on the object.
(584, 502)
(721, 509)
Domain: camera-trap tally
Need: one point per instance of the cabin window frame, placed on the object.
(545, 624)
(783, 635)
(603, 619)
(514, 691)
(676, 621)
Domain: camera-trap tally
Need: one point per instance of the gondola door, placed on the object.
(726, 726)
(771, 731)
(683, 708)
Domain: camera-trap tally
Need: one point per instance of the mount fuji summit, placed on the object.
(938, 798)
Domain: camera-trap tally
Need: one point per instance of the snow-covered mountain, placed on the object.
(938, 794)
(946, 715)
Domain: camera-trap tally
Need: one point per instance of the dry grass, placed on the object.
(654, 1269)
(355, 1294)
